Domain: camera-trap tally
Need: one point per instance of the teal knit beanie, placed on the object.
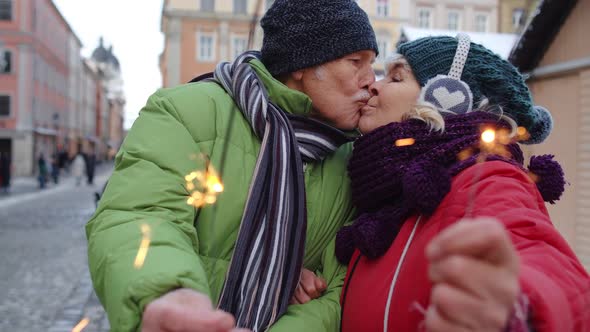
(486, 74)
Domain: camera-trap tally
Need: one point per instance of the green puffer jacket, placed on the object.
(148, 187)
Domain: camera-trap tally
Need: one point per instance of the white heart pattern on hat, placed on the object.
(446, 99)
(448, 94)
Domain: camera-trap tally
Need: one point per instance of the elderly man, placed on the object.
(273, 120)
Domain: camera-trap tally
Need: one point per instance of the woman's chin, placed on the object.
(365, 126)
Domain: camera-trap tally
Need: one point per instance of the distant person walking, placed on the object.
(77, 167)
(5, 165)
(43, 170)
(54, 168)
(90, 167)
(63, 162)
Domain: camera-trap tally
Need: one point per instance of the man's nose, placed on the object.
(368, 79)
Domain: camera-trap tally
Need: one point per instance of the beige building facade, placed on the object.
(558, 65)
(200, 34)
(514, 14)
(460, 15)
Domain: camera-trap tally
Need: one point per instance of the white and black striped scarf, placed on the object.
(268, 256)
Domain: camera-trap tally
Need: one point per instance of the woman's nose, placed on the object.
(374, 89)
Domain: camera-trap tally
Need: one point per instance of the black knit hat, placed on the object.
(305, 33)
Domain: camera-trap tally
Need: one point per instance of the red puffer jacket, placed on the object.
(551, 276)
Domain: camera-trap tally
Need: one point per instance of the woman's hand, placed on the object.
(474, 269)
(310, 287)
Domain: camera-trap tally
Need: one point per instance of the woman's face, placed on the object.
(391, 97)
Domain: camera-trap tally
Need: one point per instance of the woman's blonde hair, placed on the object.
(429, 114)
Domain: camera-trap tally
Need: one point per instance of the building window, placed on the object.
(240, 6)
(5, 10)
(383, 45)
(205, 47)
(5, 62)
(383, 8)
(4, 105)
(425, 18)
(239, 45)
(481, 23)
(454, 20)
(517, 18)
(208, 6)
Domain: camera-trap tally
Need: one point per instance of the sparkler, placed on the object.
(203, 187)
(492, 142)
(143, 246)
(487, 143)
(81, 325)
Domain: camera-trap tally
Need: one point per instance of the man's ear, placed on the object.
(294, 80)
(297, 75)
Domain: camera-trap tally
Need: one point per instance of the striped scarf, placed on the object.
(268, 255)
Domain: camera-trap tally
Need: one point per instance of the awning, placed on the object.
(93, 139)
(46, 131)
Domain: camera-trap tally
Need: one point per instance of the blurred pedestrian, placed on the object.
(5, 165)
(90, 167)
(54, 168)
(63, 161)
(78, 166)
(43, 170)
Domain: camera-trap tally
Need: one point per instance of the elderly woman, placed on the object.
(452, 232)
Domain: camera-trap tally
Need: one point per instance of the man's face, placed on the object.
(339, 89)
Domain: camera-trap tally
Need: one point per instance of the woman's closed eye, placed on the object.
(396, 78)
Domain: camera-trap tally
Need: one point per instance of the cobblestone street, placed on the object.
(44, 279)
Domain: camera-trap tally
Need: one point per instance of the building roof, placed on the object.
(499, 43)
(540, 32)
(103, 55)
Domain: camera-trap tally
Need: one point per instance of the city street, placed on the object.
(44, 279)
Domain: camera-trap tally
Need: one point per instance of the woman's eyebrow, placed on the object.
(399, 65)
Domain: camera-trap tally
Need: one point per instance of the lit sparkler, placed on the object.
(489, 140)
(203, 187)
(488, 136)
(81, 325)
(143, 246)
(494, 142)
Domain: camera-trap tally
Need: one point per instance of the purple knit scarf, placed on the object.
(390, 182)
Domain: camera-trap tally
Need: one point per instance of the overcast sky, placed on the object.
(133, 28)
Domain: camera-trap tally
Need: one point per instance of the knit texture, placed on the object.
(390, 183)
(303, 33)
(486, 74)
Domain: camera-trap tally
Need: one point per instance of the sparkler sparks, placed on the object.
(81, 325)
(522, 134)
(488, 136)
(405, 142)
(143, 246)
(203, 187)
(494, 142)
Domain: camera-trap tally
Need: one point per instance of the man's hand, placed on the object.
(474, 269)
(186, 310)
(310, 287)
